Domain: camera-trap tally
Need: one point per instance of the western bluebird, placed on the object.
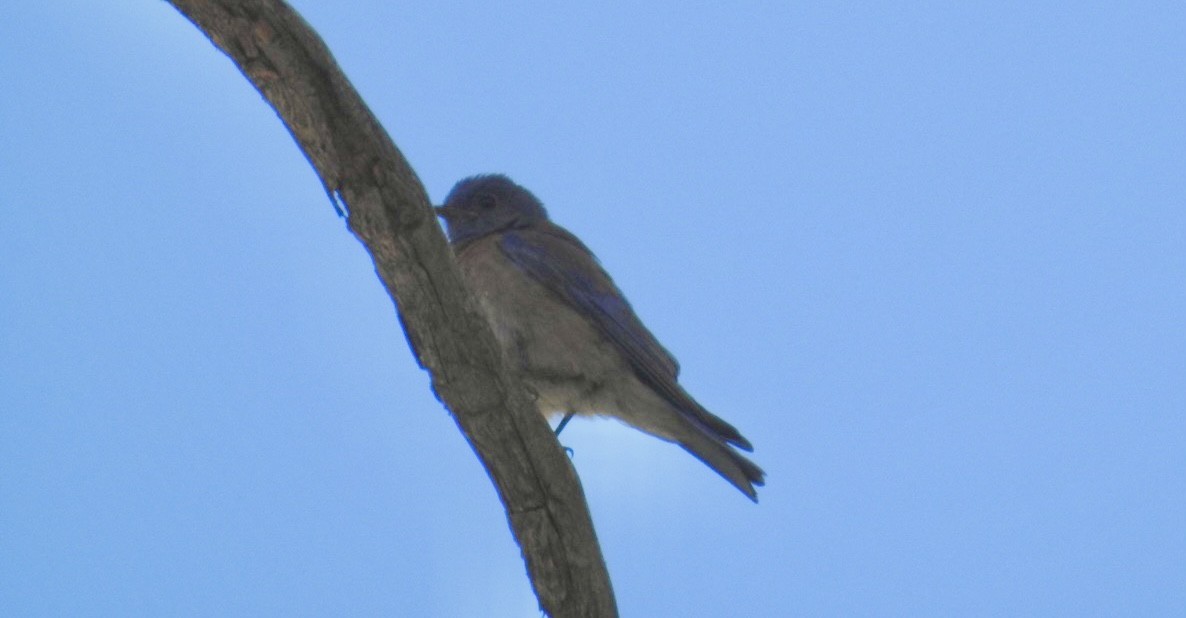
(568, 332)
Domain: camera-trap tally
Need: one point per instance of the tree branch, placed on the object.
(388, 210)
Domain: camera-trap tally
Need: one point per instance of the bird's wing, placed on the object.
(562, 264)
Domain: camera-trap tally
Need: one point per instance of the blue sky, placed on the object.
(929, 259)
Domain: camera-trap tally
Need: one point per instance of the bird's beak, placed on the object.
(451, 214)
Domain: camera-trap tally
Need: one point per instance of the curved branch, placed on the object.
(388, 210)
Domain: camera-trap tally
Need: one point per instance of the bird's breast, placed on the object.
(555, 350)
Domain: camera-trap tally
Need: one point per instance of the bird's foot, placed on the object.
(560, 427)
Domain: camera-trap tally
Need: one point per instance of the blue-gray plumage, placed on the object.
(569, 333)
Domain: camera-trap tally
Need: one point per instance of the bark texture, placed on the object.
(388, 210)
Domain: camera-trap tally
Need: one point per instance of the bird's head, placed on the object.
(481, 205)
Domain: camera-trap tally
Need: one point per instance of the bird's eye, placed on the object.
(486, 201)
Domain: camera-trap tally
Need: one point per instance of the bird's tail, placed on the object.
(649, 412)
(727, 462)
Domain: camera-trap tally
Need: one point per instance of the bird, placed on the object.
(567, 331)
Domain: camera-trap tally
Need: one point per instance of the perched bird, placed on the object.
(569, 333)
